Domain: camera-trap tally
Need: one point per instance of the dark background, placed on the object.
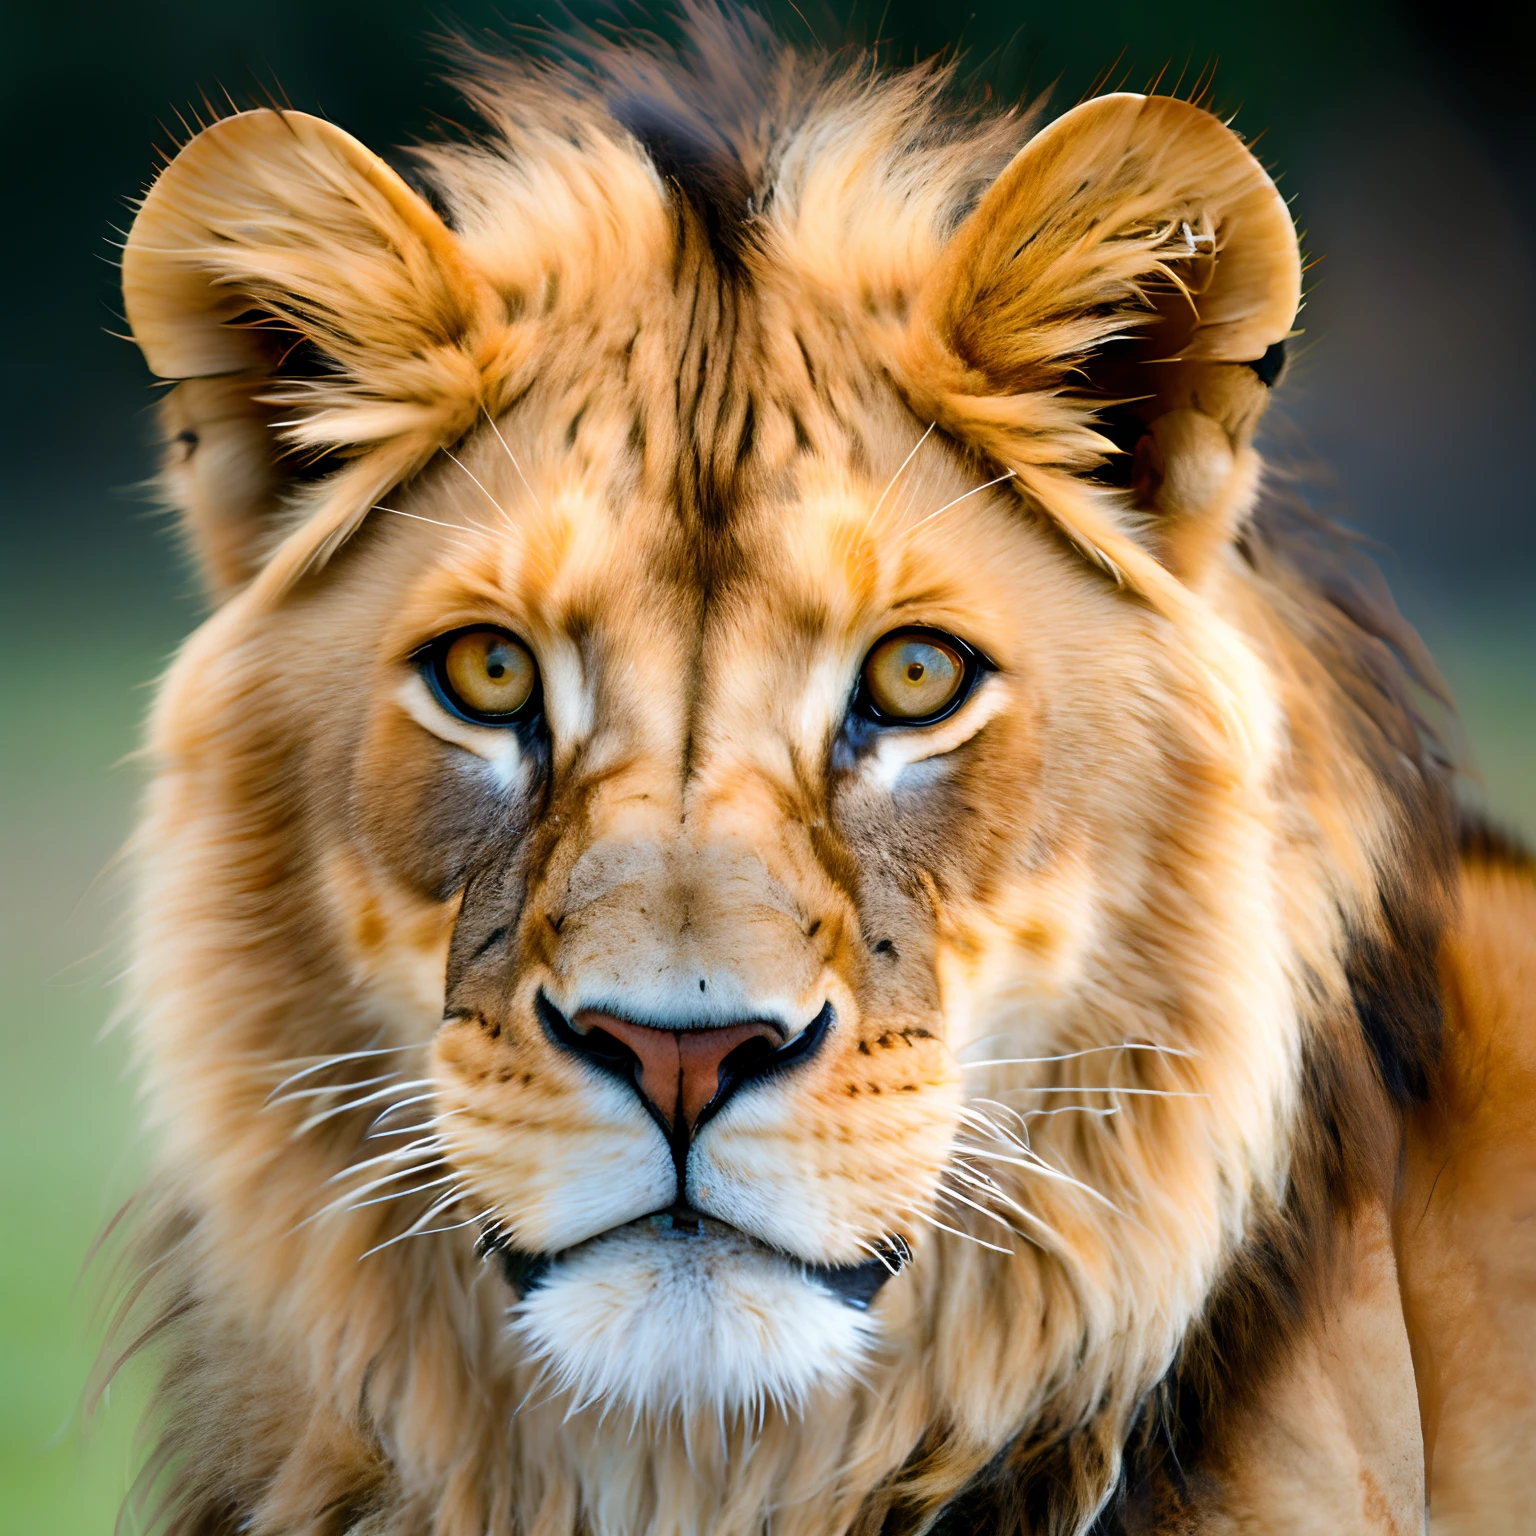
(1402, 133)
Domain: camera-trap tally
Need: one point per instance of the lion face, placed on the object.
(710, 847)
(810, 834)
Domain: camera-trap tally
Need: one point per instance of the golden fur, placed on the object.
(700, 389)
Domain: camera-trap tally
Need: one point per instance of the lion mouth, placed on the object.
(855, 1285)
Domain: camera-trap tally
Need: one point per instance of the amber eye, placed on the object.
(916, 677)
(485, 675)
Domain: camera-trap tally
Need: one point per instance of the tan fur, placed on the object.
(1332, 1442)
(1465, 1219)
(700, 480)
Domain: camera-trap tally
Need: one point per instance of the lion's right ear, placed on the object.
(315, 310)
(1112, 314)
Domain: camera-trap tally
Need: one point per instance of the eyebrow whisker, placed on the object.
(463, 544)
(890, 485)
(515, 465)
(965, 496)
(417, 517)
(501, 509)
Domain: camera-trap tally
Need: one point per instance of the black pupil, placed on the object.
(915, 672)
(495, 666)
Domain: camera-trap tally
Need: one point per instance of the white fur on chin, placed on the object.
(651, 1323)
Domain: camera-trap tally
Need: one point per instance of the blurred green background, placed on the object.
(1406, 143)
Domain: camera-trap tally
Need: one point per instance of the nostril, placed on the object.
(683, 1076)
(596, 1045)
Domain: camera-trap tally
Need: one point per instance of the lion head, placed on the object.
(735, 886)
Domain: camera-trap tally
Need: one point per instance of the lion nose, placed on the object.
(680, 1072)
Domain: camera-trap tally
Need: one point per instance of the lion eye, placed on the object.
(916, 677)
(486, 675)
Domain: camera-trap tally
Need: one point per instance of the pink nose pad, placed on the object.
(679, 1068)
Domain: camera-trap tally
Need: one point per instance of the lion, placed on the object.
(779, 896)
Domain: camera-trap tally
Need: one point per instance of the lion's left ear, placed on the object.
(1116, 307)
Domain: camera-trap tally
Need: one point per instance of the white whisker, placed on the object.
(890, 485)
(348, 1199)
(1067, 1109)
(1003, 1222)
(1148, 1093)
(420, 1150)
(907, 533)
(1013, 1114)
(384, 1114)
(970, 1237)
(321, 1116)
(515, 465)
(416, 517)
(417, 1231)
(997, 1193)
(878, 1252)
(331, 1088)
(434, 1141)
(1092, 1050)
(985, 1122)
(333, 1061)
(358, 1103)
(501, 509)
(458, 543)
(414, 1232)
(394, 1081)
(439, 1204)
(377, 1131)
(1033, 1163)
(400, 1194)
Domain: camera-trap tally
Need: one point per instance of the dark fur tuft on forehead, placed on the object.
(715, 110)
(697, 162)
(705, 110)
(700, 112)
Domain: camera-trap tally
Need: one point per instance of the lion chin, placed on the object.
(685, 1315)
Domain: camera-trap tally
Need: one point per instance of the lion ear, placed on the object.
(314, 309)
(1116, 307)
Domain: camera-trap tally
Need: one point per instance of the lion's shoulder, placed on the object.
(1408, 1369)
(1467, 1223)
